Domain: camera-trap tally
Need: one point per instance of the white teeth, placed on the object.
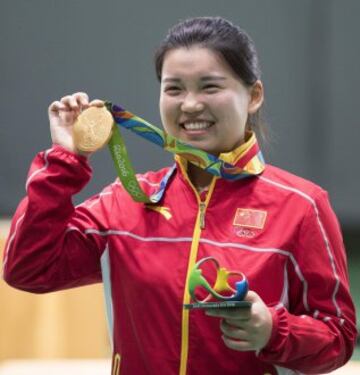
(197, 125)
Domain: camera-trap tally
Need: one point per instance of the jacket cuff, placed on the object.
(64, 150)
(279, 334)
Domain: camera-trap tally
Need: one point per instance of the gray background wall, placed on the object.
(309, 52)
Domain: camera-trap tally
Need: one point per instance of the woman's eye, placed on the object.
(211, 88)
(172, 90)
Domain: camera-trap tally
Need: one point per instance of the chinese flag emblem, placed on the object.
(246, 217)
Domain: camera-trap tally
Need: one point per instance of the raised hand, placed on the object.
(62, 116)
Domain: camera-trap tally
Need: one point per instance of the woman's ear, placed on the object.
(256, 97)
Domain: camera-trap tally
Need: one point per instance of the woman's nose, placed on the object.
(191, 104)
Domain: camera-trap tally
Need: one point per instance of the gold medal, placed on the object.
(92, 129)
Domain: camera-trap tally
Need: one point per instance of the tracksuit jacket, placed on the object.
(276, 228)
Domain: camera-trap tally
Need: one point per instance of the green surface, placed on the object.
(352, 244)
(356, 355)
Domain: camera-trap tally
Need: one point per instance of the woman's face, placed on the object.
(203, 102)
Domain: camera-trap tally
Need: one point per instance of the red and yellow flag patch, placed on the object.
(246, 217)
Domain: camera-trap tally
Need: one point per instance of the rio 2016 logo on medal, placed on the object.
(213, 287)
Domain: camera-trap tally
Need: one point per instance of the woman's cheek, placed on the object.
(166, 109)
(219, 101)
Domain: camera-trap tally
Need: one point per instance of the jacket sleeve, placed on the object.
(317, 332)
(48, 248)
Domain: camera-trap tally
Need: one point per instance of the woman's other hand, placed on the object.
(245, 329)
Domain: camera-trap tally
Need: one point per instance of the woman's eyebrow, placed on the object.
(213, 78)
(171, 79)
(204, 78)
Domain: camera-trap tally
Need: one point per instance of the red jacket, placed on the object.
(276, 228)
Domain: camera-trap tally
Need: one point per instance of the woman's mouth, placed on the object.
(196, 127)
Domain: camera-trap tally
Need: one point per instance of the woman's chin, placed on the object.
(199, 144)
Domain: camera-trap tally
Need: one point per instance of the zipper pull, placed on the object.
(202, 207)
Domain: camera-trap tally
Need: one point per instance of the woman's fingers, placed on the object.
(57, 106)
(239, 345)
(74, 103)
(96, 103)
(82, 99)
(237, 338)
(233, 332)
(70, 101)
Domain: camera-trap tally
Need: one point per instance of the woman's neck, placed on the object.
(199, 178)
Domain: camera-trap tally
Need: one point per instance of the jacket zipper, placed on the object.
(199, 226)
(202, 209)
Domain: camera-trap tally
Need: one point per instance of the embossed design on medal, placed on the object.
(92, 129)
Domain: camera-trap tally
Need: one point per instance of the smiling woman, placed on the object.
(278, 229)
(203, 102)
(232, 57)
(211, 92)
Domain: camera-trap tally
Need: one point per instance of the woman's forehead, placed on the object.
(194, 61)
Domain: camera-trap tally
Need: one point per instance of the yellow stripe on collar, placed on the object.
(230, 157)
(234, 155)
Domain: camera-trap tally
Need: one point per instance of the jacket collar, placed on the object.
(246, 158)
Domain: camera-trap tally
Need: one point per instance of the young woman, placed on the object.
(275, 227)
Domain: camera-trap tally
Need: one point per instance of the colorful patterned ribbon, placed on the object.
(250, 163)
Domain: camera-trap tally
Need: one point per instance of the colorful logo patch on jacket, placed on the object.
(246, 217)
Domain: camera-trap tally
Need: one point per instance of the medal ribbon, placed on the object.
(250, 163)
